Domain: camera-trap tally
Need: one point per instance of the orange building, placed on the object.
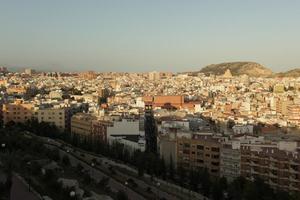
(160, 101)
(169, 102)
(19, 111)
(293, 112)
(3, 82)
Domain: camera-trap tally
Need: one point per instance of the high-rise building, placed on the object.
(88, 75)
(154, 75)
(29, 71)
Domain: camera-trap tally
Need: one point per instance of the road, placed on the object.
(114, 184)
(97, 175)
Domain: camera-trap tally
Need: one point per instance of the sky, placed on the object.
(147, 35)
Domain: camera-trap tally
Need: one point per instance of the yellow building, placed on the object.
(55, 116)
(278, 88)
(17, 90)
(19, 111)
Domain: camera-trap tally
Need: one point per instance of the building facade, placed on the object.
(277, 164)
(199, 152)
(18, 111)
(55, 116)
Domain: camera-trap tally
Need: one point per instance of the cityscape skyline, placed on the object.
(146, 36)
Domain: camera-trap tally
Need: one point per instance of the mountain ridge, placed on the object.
(237, 69)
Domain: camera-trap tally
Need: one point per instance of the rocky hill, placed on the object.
(290, 73)
(237, 68)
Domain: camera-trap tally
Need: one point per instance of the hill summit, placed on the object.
(237, 69)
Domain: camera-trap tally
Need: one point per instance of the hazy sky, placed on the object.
(146, 35)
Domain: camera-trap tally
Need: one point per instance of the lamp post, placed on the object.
(92, 171)
(73, 194)
(126, 185)
(158, 184)
(3, 146)
(29, 166)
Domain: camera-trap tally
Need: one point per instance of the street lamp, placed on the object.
(158, 184)
(126, 184)
(3, 145)
(29, 163)
(72, 194)
(92, 171)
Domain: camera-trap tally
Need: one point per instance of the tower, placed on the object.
(150, 130)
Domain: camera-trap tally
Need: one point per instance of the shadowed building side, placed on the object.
(150, 130)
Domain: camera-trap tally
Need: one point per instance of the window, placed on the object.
(215, 149)
(186, 151)
(200, 147)
(187, 145)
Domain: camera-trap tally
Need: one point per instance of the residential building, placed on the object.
(278, 164)
(55, 116)
(19, 111)
(199, 152)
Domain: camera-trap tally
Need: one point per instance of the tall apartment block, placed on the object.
(278, 164)
(199, 152)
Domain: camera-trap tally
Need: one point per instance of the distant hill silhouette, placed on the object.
(290, 73)
(237, 68)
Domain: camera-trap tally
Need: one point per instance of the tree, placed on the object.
(162, 168)
(87, 179)
(251, 192)
(103, 182)
(217, 192)
(193, 180)
(236, 188)
(205, 182)
(230, 123)
(66, 160)
(121, 195)
(140, 163)
(181, 173)
(171, 168)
